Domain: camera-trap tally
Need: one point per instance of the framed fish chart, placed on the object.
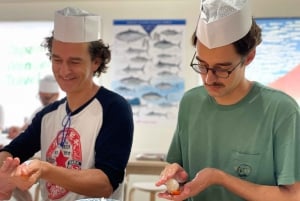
(147, 66)
(277, 62)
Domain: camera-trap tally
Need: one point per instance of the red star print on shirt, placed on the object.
(61, 160)
(68, 156)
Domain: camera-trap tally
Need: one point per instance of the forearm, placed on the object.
(254, 192)
(90, 182)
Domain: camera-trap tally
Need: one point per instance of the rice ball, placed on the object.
(172, 187)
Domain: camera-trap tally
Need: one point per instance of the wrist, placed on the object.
(44, 168)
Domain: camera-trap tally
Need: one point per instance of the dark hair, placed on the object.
(249, 41)
(97, 49)
(244, 45)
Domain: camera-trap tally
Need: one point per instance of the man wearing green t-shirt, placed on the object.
(235, 138)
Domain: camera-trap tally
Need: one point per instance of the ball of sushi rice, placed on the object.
(173, 187)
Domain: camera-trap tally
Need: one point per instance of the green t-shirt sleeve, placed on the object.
(287, 149)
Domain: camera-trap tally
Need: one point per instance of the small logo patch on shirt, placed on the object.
(243, 170)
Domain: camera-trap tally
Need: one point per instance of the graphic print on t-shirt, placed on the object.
(64, 151)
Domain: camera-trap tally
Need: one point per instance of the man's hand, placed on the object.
(172, 172)
(27, 174)
(6, 182)
(204, 179)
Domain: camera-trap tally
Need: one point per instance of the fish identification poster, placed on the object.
(147, 67)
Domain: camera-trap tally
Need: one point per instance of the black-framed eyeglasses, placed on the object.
(219, 72)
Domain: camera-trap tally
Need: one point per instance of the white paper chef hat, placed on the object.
(48, 85)
(74, 25)
(223, 22)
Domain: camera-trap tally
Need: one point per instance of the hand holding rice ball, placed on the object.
(173, 187)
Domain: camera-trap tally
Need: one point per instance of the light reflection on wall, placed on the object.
(23, 63)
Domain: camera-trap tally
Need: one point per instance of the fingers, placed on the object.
(20, 175)
(5, 195)
(183, 195)
(24, 177)
(169, 196)
(166, 195)
(29, 170)
(169, 171)
(16, 175)
(26, 169)
(173, 170)
(10, 164)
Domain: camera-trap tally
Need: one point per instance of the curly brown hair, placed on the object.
(97, 49)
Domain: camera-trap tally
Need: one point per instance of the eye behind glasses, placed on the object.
(202, 68)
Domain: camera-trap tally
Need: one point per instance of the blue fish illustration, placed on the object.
(164, 56)
(140, 59)
(170, 32)
(161, 64)
(164, 86)
(123, 89)
(133, 81)
(132, 50)
(152, 96)
(130, 35)
(164, 44)
(131, 69)
(167, 74)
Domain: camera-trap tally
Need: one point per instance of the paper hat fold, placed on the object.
(74, 25)
(223, 22)
(48, 85)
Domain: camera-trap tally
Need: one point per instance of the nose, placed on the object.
(63, 68)
(210, 77)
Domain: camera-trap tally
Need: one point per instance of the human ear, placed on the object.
(250, 57)
(96, 63)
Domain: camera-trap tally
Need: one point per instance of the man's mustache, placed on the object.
(215, 84)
